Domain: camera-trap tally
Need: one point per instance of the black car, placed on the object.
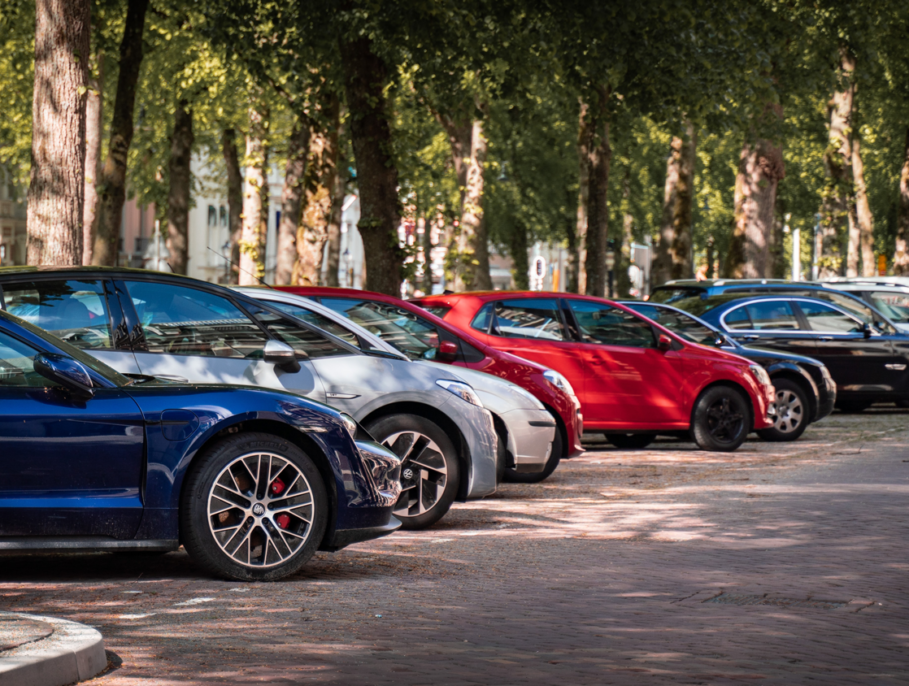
(805, 390)
(868, 363)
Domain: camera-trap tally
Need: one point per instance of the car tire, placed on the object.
(722, 419)
(853, 406)
(429, 490)
(227, 511)
(501, 456)
(791, 417)
(630, 441)
(555, 456)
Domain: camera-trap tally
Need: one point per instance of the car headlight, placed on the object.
(350, 424)
(462, 390)
(558, 381)
(763, 378)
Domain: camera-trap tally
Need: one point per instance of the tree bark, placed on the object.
(377, 176)
(760, 170)
(577, 282)
(901, 255)
(179, 192)
(292, 200)
(673, 259)
(863, 214)
(94, 130)
(569, 281)
(623, 281)
(56, 191)
(838, 164)
(234, 198)
(427, 256)
(255, 200)
(598, 158)
(333, 244)
(321, 177)
(518, 248)
(112, 190)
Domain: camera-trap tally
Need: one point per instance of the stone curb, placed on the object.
(73, 652)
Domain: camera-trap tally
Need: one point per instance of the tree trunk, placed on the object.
(178, 196)
(473, 243)
(518, 248)
(377, 176)
(255, 200)
(579, 257)
(292, 200)
(94, 130)
(864, 217)
(760, 170)
(333, 244)
(673, 259)
(112, 190)
(901, 256)
(427, 256)
(599, 157)
(56, 191)
(569, 282)
(623, 281)
(838, 164)
(321, 176)
(234, 199)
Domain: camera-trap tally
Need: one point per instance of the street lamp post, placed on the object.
(347, 268)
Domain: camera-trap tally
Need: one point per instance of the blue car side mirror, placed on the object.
(66, 372)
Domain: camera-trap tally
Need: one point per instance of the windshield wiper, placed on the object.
(138, 378)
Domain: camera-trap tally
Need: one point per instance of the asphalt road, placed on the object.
(778, 564)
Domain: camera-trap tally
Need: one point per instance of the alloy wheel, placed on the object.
(724, 421)
(260, 510)
(424, 472)
(790, 412)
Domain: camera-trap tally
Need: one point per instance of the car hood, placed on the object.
(770, 356)
(497, 394)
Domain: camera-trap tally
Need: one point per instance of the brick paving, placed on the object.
(611, 572)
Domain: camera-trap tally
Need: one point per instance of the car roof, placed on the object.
(710, 283)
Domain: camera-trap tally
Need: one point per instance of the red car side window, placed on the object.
(529, 318)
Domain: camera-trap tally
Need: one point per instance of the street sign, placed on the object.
(610, 259)
(882, 265)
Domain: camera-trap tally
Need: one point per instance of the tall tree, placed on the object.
(178, 197)
(298, 149)
(595, 134)
(365, 78)
(673, 258)
(864, 218)
(255, 198)
(112, 189)
(56, 192)
(94, 131)
(901, 255)
(234, 197)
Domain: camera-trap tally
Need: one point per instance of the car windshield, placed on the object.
(894, 305)
(92, 363)
(407, 332)
(669, 295)
(679, 323)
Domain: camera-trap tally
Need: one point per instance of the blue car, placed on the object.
(252, 482)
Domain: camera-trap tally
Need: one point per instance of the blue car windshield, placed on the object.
(92, 363)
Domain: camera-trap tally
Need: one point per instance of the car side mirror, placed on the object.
(866, 329)
(448, 351)
(721, 340)
(65, 371)
(282, 356)
(664, 343)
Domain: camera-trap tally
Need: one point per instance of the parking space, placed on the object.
(778, 563)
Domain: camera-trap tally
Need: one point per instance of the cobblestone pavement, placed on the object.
(778, 564)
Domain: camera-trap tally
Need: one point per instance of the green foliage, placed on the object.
(17, 76)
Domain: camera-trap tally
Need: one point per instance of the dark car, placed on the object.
(252, 482)
(805, 391)
(868, 364)
(673, 291)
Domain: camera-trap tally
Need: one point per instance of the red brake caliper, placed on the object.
(277, 488)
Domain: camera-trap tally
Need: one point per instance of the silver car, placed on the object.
(148, 323)
(525, 428)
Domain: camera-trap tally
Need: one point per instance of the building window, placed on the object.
(212, 216)
(223, 215)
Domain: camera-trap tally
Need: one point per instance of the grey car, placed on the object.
(525, 428)
(163, 325)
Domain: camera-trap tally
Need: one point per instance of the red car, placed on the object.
(635, 379)
(420, 334)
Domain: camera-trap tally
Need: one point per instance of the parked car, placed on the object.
(889, 299)
(165, 325)
(867, 364)
(422, 335)
(673, 291)
(636, 379)
(251, 481)
(805, 391)
(525, 429)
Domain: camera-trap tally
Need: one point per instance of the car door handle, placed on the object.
(825, 338)
(751, 337)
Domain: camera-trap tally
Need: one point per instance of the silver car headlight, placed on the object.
(558, 381)
(350, 424)
(462, 390)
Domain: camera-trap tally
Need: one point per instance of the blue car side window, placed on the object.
(17, 365)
